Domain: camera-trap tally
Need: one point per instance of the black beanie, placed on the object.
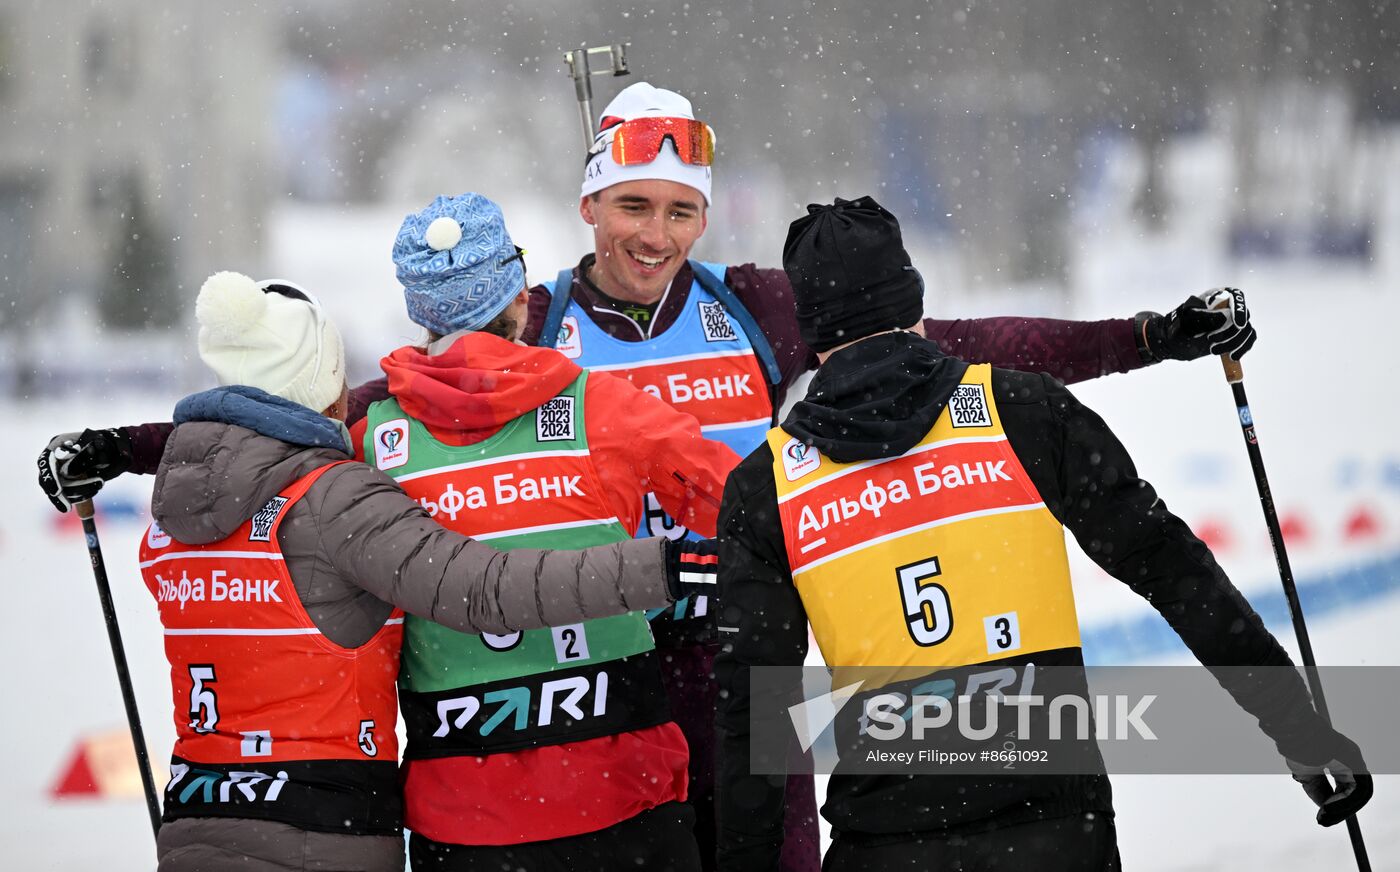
(850, 274)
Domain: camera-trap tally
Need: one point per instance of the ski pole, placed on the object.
(84, 510)
(582, 74)
(1234, 374)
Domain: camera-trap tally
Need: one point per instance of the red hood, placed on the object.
(476, 386)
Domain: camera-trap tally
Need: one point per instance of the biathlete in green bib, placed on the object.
(523, 745)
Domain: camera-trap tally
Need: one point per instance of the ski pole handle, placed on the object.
(1234, 369)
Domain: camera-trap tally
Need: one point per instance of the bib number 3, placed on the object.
(927, 611)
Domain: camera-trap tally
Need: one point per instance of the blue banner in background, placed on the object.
(1149, 636)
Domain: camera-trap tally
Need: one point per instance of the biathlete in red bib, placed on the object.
(282, 572)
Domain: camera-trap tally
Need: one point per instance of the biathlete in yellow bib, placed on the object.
(911, 510)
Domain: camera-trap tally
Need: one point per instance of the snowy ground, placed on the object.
(1325, 426)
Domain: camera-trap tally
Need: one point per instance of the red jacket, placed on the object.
(637, 444)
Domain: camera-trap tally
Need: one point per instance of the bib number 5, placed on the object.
(366, 739)
(204, 703)
(927, 612)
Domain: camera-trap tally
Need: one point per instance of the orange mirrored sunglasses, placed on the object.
(638, 141)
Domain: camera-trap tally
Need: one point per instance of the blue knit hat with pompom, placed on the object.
(457, 264)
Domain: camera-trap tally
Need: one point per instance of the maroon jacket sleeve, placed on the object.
(1071, 351)
(767, 295)
(534, 319)
(147, 445)
(363, 396)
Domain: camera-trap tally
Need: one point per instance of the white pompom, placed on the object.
(229, 305)
(443, 233)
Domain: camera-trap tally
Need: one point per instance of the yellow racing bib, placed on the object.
(942, 557)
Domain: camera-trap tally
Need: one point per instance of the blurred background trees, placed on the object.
(145, 142)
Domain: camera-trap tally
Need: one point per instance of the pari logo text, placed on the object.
(204, 785)
(575, 698)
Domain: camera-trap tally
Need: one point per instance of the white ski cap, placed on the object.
(639, 101)
(276, 341)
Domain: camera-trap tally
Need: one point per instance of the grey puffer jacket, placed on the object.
(355, 544)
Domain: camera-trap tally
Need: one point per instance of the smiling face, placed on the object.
(642, 233)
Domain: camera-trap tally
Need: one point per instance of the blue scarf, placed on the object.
(265, 414)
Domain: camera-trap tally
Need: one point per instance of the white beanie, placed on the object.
(270, 341)
(639, 101)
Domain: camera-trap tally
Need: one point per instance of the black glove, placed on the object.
(75, 465)
(692, 567)
(1216, 322)
(1341, 757)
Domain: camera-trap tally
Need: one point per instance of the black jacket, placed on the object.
(879, 398)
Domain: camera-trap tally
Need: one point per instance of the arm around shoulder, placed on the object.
(1070, 350)
(382, 540)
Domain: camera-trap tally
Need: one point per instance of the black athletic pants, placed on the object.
(661, 839)
(1080, 843)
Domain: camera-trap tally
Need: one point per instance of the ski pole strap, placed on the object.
(558, 303)
(706, 275)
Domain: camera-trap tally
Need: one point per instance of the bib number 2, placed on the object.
(927, 611)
